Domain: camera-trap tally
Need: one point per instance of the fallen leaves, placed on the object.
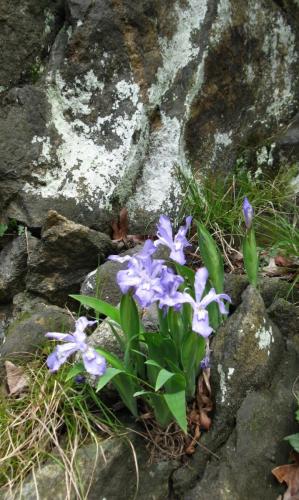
(17, 381)
(120, 227)
(288, 474)
(120, 230)
(198, 417)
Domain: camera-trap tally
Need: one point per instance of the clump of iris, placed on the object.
(150, 281)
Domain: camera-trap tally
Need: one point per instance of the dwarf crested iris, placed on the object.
(142, 275)
(177, 243)
(248, 213)
(200, 323)
(94, 363)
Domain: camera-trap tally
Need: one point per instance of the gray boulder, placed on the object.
(126, 91)
(286, 316)
(26, 333)
(246, 351)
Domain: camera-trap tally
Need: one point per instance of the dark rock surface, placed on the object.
(270, 288)
(27, 35)
(107, 470)
(13, 265)
(253, 371)
(286, 316)
(63, 256)
(256, 445)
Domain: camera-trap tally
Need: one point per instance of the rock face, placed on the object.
(106, 470)
(63, 256)
(106, 98)
(13, 265)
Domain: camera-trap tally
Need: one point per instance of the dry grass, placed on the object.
(52, 419)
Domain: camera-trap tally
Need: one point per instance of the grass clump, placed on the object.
(52, 419)
(217, 203)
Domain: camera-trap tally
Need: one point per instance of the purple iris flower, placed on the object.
(94, 363)
(177, 243)
(142, 274)
(170, 296)
(248, 213)
(200, 323)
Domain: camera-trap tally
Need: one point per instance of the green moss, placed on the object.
(35, 71)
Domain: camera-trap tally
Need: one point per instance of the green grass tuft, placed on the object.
(217, 203)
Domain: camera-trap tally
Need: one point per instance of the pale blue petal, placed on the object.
(200, 282)
(94, 363)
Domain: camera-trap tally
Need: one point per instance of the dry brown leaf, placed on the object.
(120, 227)
(282, 261)
(288, 474)
(204, 401)
(120, 230)
(198, 417)
(17, 381)
(274, 270)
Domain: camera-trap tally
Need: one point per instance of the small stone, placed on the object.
(26, 333)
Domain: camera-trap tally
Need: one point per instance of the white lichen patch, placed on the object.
(249, 73)
(198, 82)
(265, 156)
(295, 184)
(222, 140)
(158, 185)
(179, 50)
(86, 170)
(126, 90)
(49, 21)
(223, 386)
(279, 48)
(45, 155)
(222, 22)
(264, 337)
(69, 32)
